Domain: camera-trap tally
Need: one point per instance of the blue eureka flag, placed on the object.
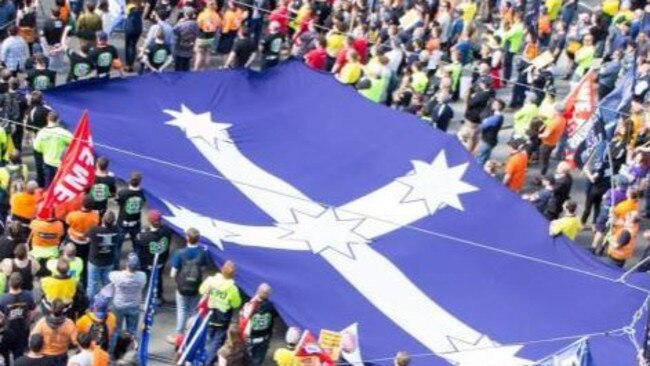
(150, 310)
(363, 219)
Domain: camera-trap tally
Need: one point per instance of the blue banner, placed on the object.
(149, 312)
(359, 216)
(617, 101)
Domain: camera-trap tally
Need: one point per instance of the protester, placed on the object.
(286, 356)
(153, 242)
(18, 306)
(21, 264)
(223, 299)
(51, 142)
(131, 201)
(129, 284)
(59, 333)
(104, 253)
(188, 265)
(98, 323)
(35, 356)
(256, 324)
(569, 225)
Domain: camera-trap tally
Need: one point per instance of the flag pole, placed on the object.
(148, 313)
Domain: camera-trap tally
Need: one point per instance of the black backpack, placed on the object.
(190, 276)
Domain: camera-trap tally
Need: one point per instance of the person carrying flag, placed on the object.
(256, 324)
(223, 298)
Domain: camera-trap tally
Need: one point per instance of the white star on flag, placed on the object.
(200, 126)
(484, 352)
(436, 184)
(324, 231)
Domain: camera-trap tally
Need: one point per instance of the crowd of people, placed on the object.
(66, 281)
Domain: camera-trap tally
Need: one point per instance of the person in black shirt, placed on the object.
(104, 256)
(258, 314)
(14, 107)
(35, 356)
(40, 78)
(154, 240)
(81, 64)
(158, 56)
(18, 305)
(243, 51)
(52, 31)
(104, 56)
(11, 240)
(271, 46)
(104, 186)
(131, 202)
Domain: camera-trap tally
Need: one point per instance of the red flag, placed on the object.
(309, 347)
(579, 106)
(76, 173)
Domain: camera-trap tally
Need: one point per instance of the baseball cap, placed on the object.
(154, 216)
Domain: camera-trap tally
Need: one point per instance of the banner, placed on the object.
(149, 312)
(330, 342)
(192, 349)
(77, 171)
(308, 348)
(580, 106)
(615, 102)
(336, 200)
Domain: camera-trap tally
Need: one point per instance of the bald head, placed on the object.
(264, 291)
(228, 269)
(32, 186)
(69, 250)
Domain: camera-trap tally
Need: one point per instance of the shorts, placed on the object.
(203, 44)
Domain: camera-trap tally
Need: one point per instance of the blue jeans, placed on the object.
(49, 172)
(128, 315)
(216, 339)
(483, 152)
(97, 278)
(185, 306)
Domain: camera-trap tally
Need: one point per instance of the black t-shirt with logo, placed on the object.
(272, 45)
(131, 203)
(155, 241)
(101, 191)
(80, 65)
(243, 49)
(157, 54)
(104, 242)
(16, 308)
(41, 79)
(53, 31)
(102, 58)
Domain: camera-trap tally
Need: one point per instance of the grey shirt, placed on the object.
(128, 288)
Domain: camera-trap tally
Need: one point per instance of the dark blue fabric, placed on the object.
(335, 146)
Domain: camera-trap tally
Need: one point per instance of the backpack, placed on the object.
(190, 276)
(99, 333)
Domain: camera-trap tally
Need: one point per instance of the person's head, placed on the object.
(36, 343)
(588, 40)
(39, 62)
(498, 105)
(15, 281)
(212, 4)
(292, 337)
(624, 238)
(154, 217)
(20, 252)
(102, 38)
(62, 267)
(14, 84)
(132, 262)
(402, 358)
(192, 235)
(559, 108)
(84, 340)
(12, 31)
(189, 13)
(228, 269)
(570, 207)
(31, 187)
(108, 220)
(90, 7)
(516, 145)
(103, 6)
(274, 27)
(102, 164)
(15, 229)
(161, 13)
(263, 291)
(87, 202)
(52, 118)
(57, 308)
(100, 306)
(563, 168)
(135, 180)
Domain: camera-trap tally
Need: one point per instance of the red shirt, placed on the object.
(342, 57)
(280, 15)
(361, 46)
(316, 58)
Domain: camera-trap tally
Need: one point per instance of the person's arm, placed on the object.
(204, 289)
(235, 297)
(250, 60)
(230, 60)
(35, 266)
(64, 38)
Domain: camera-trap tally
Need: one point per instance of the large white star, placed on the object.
(436, 184)
(484, 352)
(200, 125)
(324, 231)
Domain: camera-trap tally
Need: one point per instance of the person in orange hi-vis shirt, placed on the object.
(59, 334)
(516, 165)
(23, 203)
(79, 222)
(47, 234)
